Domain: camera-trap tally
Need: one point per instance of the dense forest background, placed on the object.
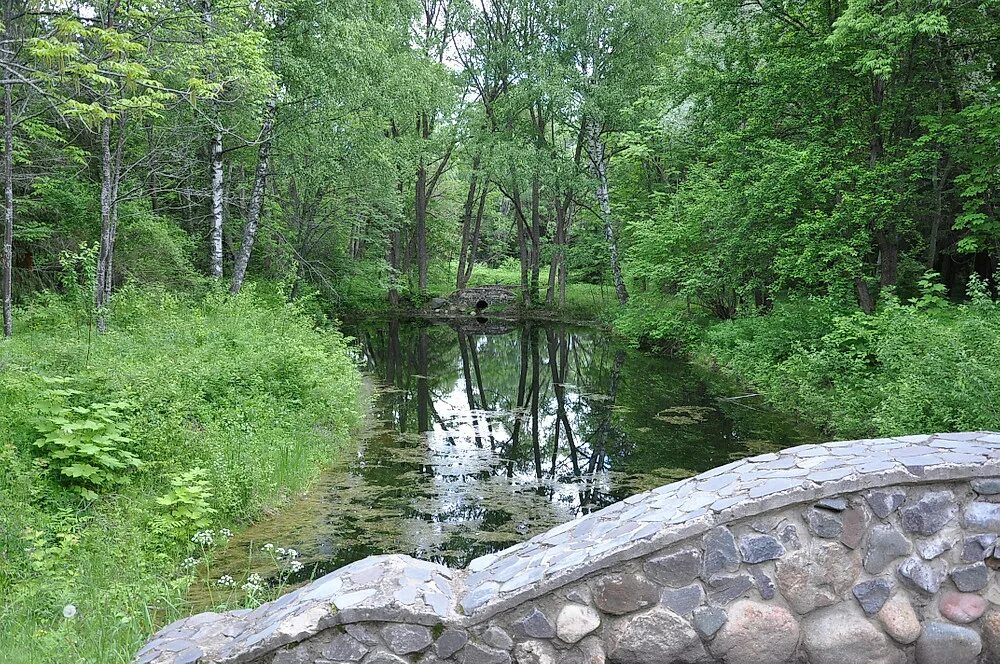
(730, 153)
(804, 194)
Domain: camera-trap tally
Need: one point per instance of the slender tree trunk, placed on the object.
(888, 243)
(465, 254)
(8, 210)
(216, 165)
(865, 299)
(558, 256)
(105, 250)
(599, 165)
(536, 233)
(420, 227)
(470, 262)
(116, 176)
(522, 248)
(256, 200)
(394, 249)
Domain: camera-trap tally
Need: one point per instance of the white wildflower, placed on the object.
(69, 611)
(254, 584)
(226, 532)
(204, 537)
(267, 547)
(189, 562)
(296, 566)
(226, 581)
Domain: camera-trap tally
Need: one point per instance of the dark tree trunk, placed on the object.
(888, 246)
(394, 267)
(420, 227)
(535, 234)
(865, 299)
(466, 251)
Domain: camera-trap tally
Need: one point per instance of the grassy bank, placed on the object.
(924, 365)
(190, 414)
(364, 294)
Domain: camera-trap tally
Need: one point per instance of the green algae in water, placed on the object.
(468, 452)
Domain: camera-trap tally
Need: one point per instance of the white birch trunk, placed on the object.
(101, 287)
(8, 210)
(217, 203)
(256, 201)
(599, 165)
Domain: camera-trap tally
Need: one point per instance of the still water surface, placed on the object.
(486, 433)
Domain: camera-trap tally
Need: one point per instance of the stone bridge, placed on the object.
(877, 551)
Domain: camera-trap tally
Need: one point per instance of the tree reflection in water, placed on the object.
(518, 428)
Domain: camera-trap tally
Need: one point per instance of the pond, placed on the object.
(485, 433)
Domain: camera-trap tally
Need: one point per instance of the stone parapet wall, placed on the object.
(877, 551)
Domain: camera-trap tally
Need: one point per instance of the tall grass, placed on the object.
(250, 389)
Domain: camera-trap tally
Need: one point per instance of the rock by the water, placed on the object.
(824, 523)
(403, 639)
(535, 652)
(724, 588)
(535, 625)
(818, 575)
(657, 635)
(885, 544)
(961, 607)
(707, 620)
(476, 653)
(675, 569)
(450, 642)
(941, 643)
(990, 625)
(683, 600)
(497, 638)
(873, 594)
(930, 513)
(721, 554)
(982, 516)
(836, 635)
(740, 641)
(978, 547)
(926, 577)
(899, 620)
(758, 548)
(576, 621)
(885, 501)
(986, 486)
(618, 594)
(970, 578)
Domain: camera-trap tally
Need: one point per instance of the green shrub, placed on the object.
(658, 324)
(83, 443)
(187, 503)
(923, 367)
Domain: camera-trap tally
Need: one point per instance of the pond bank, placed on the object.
(486, 434)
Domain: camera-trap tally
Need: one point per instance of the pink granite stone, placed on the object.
(961, 607)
